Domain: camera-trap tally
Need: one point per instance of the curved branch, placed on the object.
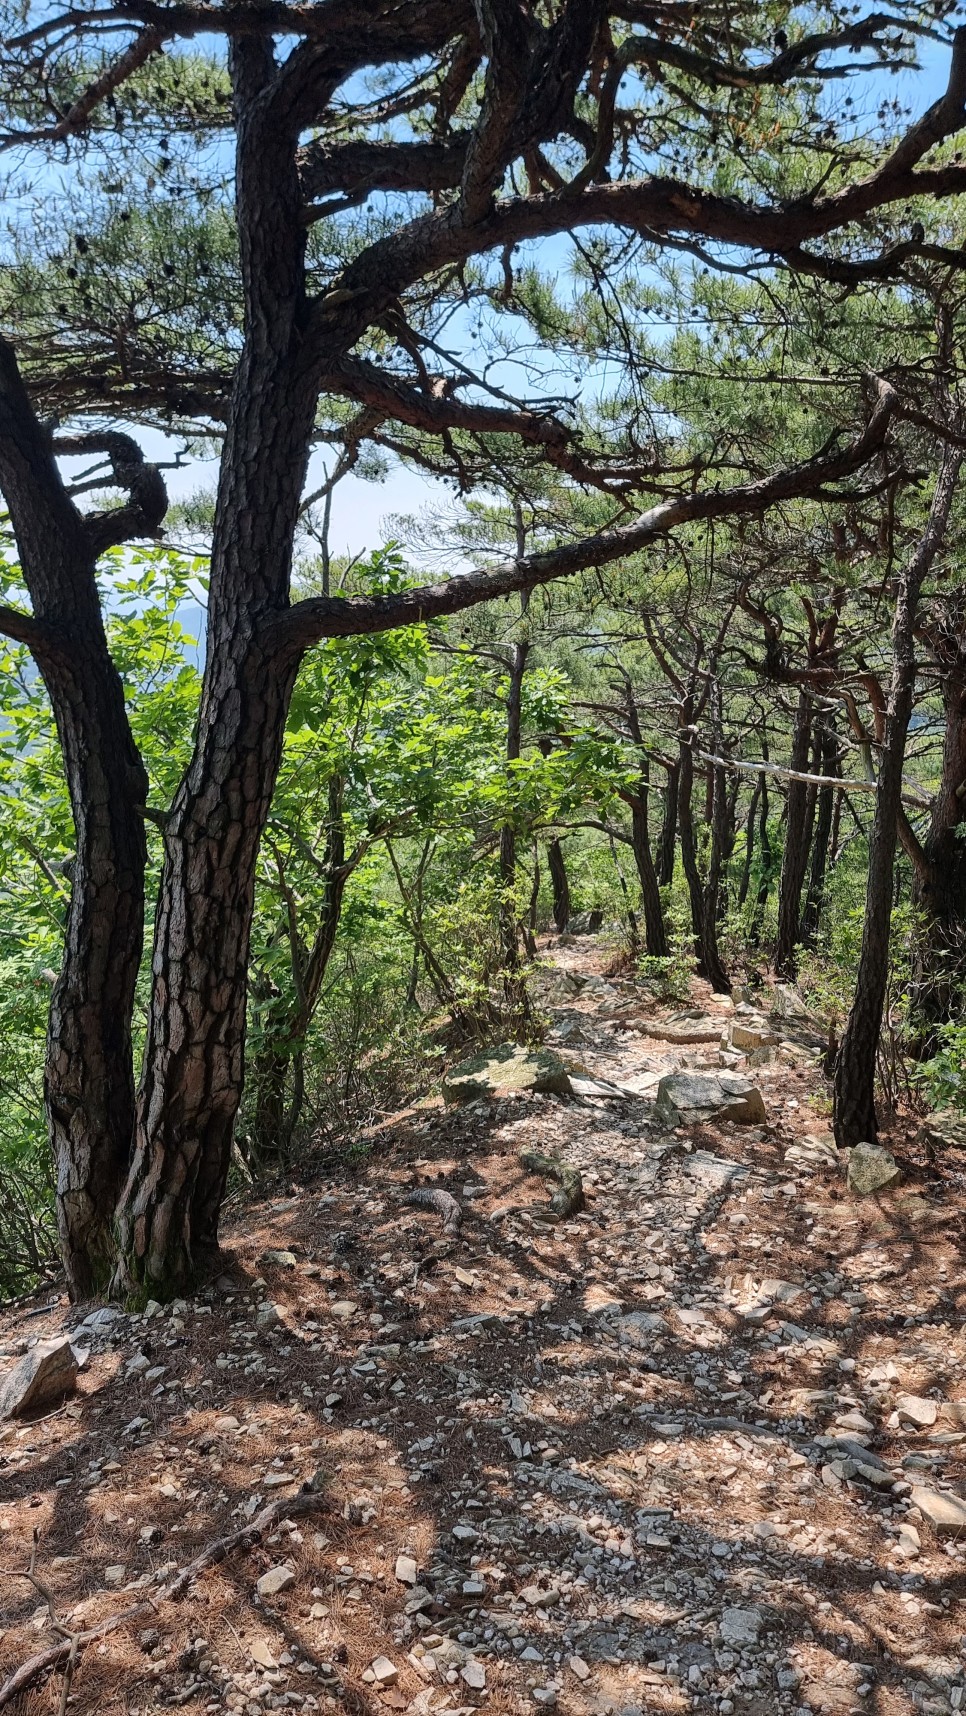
(148, 500)
(291, 633)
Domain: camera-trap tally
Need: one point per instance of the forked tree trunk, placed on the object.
(89, 1073)
(854, 1077)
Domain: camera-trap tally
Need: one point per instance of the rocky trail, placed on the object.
(697, 1446)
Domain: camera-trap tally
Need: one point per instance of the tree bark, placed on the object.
(854, 1077)
(795, 854)
(560, 884)
(704, 926)
(655, 932)
(89, 1072)
(194, 1055)
(508, 839)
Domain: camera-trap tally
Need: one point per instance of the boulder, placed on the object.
(585, 923)
(505, 1069)
(46, 1374)
(871, 1169)
(688, 1099)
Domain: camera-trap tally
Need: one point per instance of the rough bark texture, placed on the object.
(854, 1079)
(194, 1066)
(89, 1074)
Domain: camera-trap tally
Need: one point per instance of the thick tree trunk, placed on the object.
(560, 884)
(854, 1078)
(795, 854)
(194, 1054)
(89, 1073)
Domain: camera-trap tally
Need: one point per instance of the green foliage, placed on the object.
(942, 1079)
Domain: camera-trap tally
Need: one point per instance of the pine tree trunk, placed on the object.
(560, 884)
(795, 854)
(765, 873)
(194, 1054)
(664, 864)
(745, 882)
(705, 927)
(89, 1072)
(508, 839)
(814, 899)
(854, 1078)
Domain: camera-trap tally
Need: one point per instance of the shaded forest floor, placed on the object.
(609, 1465)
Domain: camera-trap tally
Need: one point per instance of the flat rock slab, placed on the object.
(945, 1513)
(683, 1028)
(689, 1099)
(871, 1169)
(507, 1068)
(43, 1376)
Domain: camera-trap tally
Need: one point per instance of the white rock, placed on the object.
(741, 1626)
(945, 1513)
(384, 1672)
(45, 1374)
(275, 1580)
(474, 1675)
(406, 1570)
(916, 1409)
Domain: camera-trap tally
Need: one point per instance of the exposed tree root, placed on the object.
(569, 1196)
(441, 1204)
(67, 1651)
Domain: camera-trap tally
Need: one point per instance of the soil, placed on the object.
(655, 1457)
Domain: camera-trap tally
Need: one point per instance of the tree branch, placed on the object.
(309, 621)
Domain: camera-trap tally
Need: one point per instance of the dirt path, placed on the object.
(674, 1454)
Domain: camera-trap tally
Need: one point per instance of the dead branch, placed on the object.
(308, 1500)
